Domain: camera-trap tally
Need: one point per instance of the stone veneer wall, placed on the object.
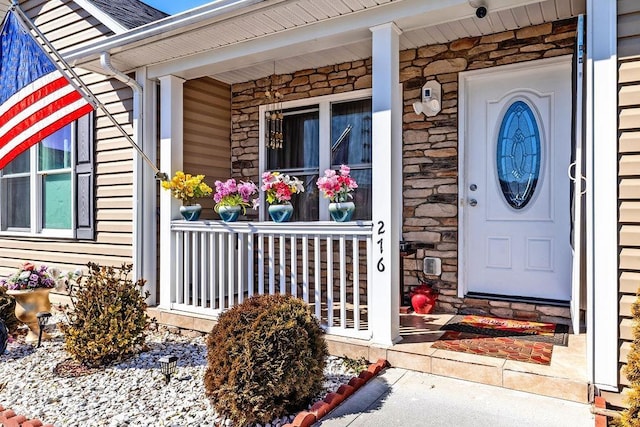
(430, 145)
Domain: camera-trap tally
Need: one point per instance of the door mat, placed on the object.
(551, 333)
(502, 347)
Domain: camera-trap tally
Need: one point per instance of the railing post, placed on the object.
(170, 161)
(387, 184)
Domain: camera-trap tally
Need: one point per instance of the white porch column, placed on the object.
(384, 290)
(601, 196)
(171, 127)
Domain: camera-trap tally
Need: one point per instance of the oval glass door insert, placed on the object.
(518, 155)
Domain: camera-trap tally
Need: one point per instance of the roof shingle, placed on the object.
(130, 13)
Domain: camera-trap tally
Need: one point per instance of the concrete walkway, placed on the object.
(398, 397)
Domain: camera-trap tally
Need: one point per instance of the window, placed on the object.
(45, 190)
(324, 133)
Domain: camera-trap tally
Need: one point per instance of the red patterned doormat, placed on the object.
(504, 338)
(503, 347)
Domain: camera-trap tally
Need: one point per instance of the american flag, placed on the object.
(36, 98)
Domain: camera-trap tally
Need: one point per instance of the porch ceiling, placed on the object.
(238, 41)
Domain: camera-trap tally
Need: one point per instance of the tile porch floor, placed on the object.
(565, 378)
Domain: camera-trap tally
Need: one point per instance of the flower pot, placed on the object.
(190, 212)
(423, 299)
(342, 211)
(30, 302)
(229, 213)
(281, 213)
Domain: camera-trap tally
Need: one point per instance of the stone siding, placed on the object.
(430, 144)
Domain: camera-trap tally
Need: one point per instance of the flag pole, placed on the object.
(78, 83)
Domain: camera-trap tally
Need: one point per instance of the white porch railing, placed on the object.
(218, 265)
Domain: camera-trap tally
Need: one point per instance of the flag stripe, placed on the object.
(31, 99)
(43, 133)
(32, 106)
(46, 113)
(47, 117)
(32, 87)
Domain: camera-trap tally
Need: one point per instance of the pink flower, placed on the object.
(337, 188)
(230, 193)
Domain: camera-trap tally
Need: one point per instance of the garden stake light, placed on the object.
(43, 319)
(168, 365)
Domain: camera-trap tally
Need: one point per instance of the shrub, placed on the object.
(7, 311)
(631, 417)
(108, 318)
(266, 358)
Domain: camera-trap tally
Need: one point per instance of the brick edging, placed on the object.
(601, 419)
(333, 399)
(8, 418)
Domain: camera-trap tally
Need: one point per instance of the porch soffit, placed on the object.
(301, 34)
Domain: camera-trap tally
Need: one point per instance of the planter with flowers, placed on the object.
(187, 187)
(30, 287)
(337, 188)
(279, 188)
(231, 198)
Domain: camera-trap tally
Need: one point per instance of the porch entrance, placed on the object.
(515, 202)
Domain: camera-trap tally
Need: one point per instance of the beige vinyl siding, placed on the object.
(629, 177)
(207, 132)
(67, 26)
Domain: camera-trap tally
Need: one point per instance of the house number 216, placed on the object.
(380, 241)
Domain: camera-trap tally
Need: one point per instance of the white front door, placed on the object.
(514, 187)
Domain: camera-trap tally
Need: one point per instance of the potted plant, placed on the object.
(337, 188)
(30, 287)
(231, 198)
(279, 188)
(187, 187)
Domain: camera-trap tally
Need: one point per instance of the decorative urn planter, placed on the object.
(191, 212)
(229, 213)
(30, 302)
(281, 213)
(341, 211)
(423, 299)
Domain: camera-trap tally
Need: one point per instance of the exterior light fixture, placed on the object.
(430, 104)
(43, 319)
(168, 366)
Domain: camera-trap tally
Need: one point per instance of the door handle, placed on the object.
(473, 202)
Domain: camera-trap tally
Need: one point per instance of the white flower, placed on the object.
(54, 272)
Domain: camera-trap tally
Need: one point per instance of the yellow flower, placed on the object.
(187, 187)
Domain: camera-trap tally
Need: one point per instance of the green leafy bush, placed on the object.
(108, 317)
(266, 358)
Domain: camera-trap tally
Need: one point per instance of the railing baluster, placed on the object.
(294, 267)
(330, 281)
(213, 253)
(250, 258)
(261, 264)
(222, 273)
(343, 283)
(283, 265)
(231, 268)
(180, 260)
(369, 275)
(272, 267)
(187, 271)
(203, 269)
(195, 269)
(317, 299)
(356, 282)
(305, 268)
(241, 266)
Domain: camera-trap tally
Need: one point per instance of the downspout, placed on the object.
(138, 205)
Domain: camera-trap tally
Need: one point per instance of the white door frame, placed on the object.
(463, 96)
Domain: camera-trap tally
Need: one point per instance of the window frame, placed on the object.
(324, 161)
(36, 183)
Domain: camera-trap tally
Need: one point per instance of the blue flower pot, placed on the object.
(280, 213)
(191, 212)
(229, 213)
(342, 212)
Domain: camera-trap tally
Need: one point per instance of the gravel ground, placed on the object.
(37, 383)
